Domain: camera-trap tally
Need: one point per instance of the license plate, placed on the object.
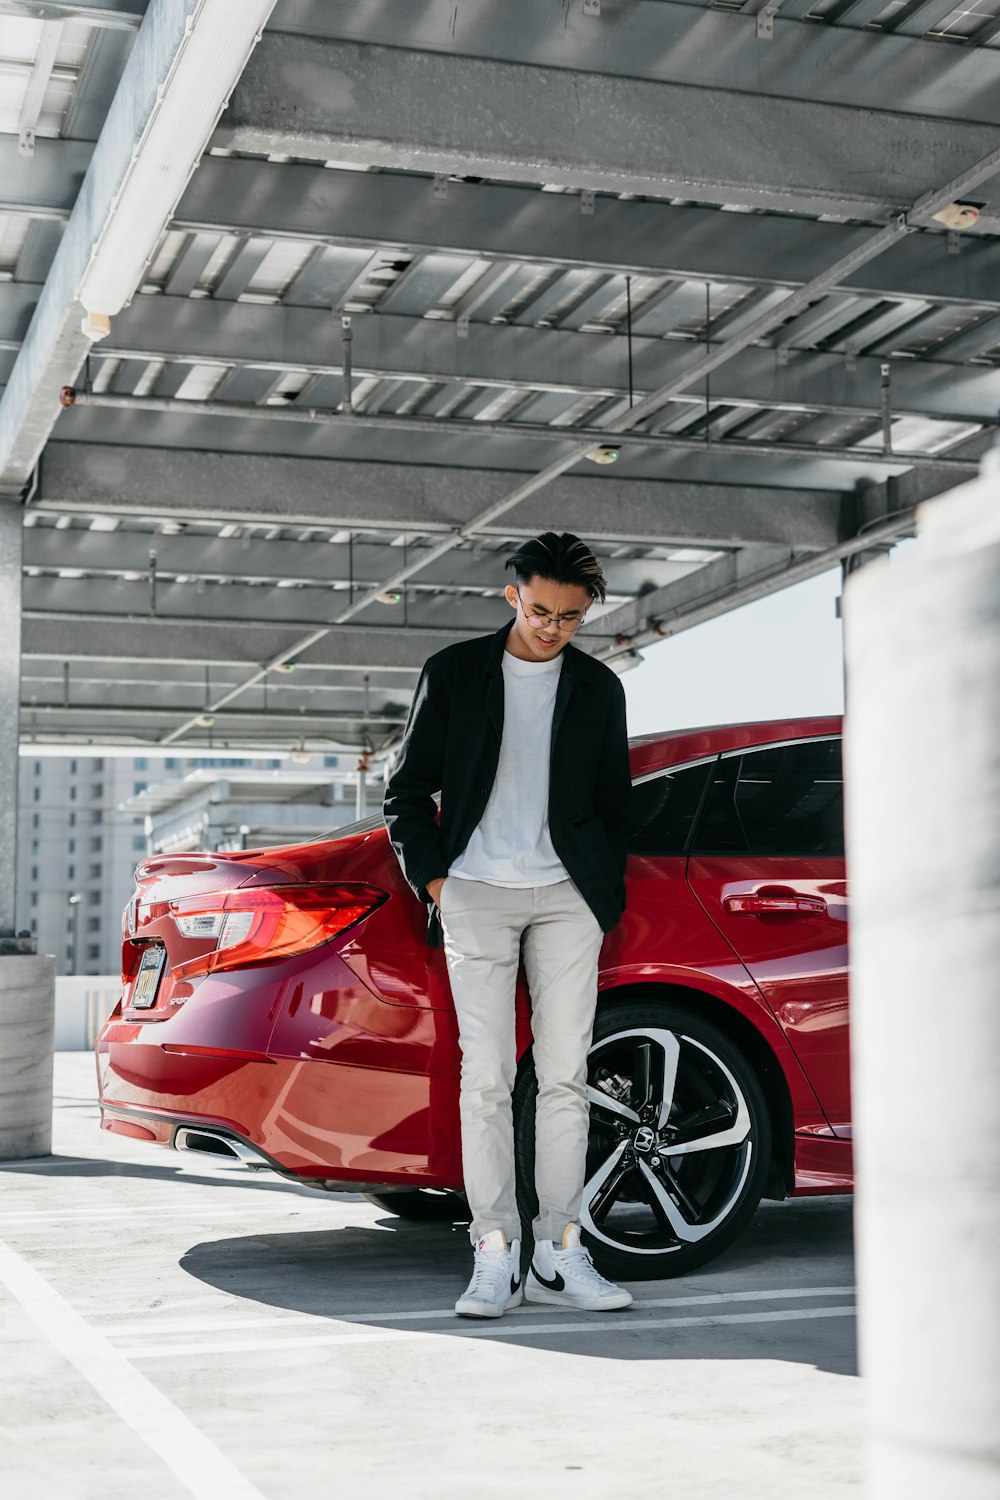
(148, 978)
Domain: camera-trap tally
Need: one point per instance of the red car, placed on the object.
(282, 1007)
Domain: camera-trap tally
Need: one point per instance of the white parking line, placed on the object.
(236, 1324)
(508, 1329)
(28, 1218)
(203, 1470)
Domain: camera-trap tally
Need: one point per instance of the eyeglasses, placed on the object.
(565, 622)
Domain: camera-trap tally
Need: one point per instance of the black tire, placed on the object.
(426, 1205)
(643, 1216)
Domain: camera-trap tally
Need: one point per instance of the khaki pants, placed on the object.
(485, 927)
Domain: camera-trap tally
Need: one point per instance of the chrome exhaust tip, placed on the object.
(214, 1143)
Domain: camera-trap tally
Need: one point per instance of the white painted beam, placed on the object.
(177, 80)
(34, 94)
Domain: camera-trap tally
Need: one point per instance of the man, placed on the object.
(524, 736)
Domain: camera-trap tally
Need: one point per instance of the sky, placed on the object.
(781, 657)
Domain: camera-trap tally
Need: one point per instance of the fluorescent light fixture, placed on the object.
(219, 37)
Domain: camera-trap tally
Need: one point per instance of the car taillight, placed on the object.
(249, 926)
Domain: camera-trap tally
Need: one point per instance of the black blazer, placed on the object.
(451, 745)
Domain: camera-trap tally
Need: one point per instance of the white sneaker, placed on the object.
(496, 1278)
(565, 1274)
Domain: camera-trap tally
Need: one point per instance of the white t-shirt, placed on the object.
(511, 846)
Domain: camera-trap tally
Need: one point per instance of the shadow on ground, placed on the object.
(385, 1272)
(230, 1176)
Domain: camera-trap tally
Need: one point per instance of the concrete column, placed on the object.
(11, 515)
(27, 1018)
(923, 805)
(27, 983)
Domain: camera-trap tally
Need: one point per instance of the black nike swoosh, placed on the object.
(555, 1285)
(513, 1285)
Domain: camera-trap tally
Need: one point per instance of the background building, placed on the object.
(238, 805)
(84, 822)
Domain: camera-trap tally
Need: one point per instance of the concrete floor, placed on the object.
(174, 1328)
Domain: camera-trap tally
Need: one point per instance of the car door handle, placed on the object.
(752, 906)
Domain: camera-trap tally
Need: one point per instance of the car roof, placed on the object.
(652, 752)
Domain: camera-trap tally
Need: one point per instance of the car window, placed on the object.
(663, 810)
(786, 799)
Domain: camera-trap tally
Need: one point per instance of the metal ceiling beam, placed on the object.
(45, 185)
(123, 15)
(477, 431)
(18, 301)
(972, 175)
(88, 479)
(38, 83)
(303, 607)
(473, 117)
(716, 588)
(154, 714)
(741, 578)
(506, 221)
(221, 643)
(679, 43)
(313, 561)
(94, 684)
(112, 682)
(729, 583)
(197, 331)
(55, 347)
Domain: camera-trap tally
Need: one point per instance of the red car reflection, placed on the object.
(282, 1007)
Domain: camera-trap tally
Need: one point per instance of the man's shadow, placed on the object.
(406, 1276)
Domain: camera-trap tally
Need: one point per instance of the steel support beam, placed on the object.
(10, 668)
(55, 347)
(512, 358)
(680, 43)
(741, 578)
(154, 714)
(262, 490)
(381, 423)
(268, 562)
(305, 607)
(971, 175)
(224, 643)
(18, 301)
(34, 94)
(513, 122)
(727, 584)
(510, 222)
(121, 15)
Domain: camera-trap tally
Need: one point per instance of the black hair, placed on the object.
(560, 559)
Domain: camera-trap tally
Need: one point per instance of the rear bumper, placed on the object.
(303, 1065)
(205, 1137)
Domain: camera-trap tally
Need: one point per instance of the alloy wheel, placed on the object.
(672, 1142)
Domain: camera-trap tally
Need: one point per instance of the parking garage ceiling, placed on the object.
(704, 234)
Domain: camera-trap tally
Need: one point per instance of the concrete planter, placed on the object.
(27, 1007)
